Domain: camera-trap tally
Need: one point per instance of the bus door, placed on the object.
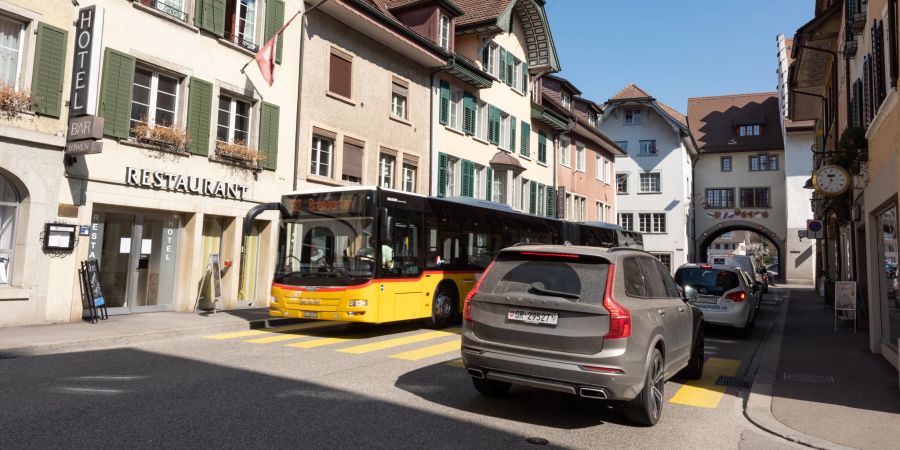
(402, 264)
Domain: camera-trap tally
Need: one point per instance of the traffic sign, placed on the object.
(815, 229)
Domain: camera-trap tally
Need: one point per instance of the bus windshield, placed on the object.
(327, 240)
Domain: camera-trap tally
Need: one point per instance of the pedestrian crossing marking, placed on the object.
(432, 350)
(704, 392)
(276, 338)
(396, 342)
(238, 334)
(268, 331)
(319, 342)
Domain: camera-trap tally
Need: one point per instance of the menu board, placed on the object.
(845, 295)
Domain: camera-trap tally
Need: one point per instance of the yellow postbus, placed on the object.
(374, 255)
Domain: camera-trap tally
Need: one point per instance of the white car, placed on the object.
(724, 294)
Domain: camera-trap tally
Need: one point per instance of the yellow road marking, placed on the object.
(381, 345)
(319, 342)
(432, 350)
(238, 334)
(458, 362)
(276, 338)
(261, 331)
(704, 392)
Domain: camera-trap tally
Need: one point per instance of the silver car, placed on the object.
(727, 294)
(605, 324)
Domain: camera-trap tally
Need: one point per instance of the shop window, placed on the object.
(155, 98)
(9, 211)
(233, 125)
(241, 28)
(889, 287)
(12, 42)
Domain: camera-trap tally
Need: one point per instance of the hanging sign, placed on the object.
(86, 64)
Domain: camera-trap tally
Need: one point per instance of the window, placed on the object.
(592, 119)
(621, 183)
(386, 164)
(598, 167)
(320, 156)
(650, 182)
(648, 148)
(154, 99)
(481, 121)
(604, 212)
(755, 197)
(748, 130)
(524, 195)
(565, 157)
(498, 187)
(727, 235)
(9, 211)
(566, 100)
(665, 259)
(456, 109)
(12, 42)
(602, 169)
(505, 123)
(353, 160)
(399, 96)
(632, 117)
(234, 120)
(409, 177)
(719, 198)
(580, 208)
(477, 183)
(626, 221)
(761, 163)
(517, 76)
(623, 145)
(725, 163)
(340, 73)
(452, 172)
(579, 157)
(652, 222)
(241, 16)
(444, 38)
(489, 59)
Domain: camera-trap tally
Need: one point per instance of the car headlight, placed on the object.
(358, 303)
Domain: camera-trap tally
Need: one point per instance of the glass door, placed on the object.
(156, 259)
(114, 256)
(250, 265)
(887, 242)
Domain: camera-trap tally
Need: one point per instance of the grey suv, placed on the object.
(605, 324)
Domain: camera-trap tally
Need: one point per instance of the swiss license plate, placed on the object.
(707, 299)
(537, 317)
(711, 307)
(310, 314)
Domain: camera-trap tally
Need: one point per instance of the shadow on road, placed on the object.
(452, 387)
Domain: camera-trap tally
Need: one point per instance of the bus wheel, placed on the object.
(444, 306)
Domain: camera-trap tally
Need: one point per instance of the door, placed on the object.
(250, 265)
(213, 231)
(685, 315)
(403, 262)
(671, 311)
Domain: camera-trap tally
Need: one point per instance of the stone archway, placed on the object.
(704, 239)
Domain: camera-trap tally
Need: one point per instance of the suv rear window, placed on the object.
(581, 279)
(714, 281)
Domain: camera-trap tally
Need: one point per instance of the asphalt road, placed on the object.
(390, 387)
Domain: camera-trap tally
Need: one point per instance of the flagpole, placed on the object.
(298, 13)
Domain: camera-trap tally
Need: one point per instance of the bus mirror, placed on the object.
(387, 224)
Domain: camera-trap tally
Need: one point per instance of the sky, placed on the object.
(673, 49)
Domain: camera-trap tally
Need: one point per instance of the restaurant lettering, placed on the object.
(186, 184)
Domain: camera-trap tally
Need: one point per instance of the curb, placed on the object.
(758, 408)
(97, 343)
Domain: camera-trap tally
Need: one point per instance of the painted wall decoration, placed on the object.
(738, 213)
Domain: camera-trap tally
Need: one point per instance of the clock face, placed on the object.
(832, 180)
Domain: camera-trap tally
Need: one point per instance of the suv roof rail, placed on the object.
(518, 244)
(630, 249)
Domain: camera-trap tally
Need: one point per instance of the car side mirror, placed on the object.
(690, 294)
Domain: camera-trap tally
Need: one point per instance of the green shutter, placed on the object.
(525, 77)
(551, 202)
(542, 146)
(525, 145)
(442, 175)
(445, 103)
(512, 134)
(199, 116)
(502, 64)
(49, 68)
(274, 21)
(268, 135)
(467, 178)
(489, 184)
(115, 93)
(532, 205)
(510, 72)
(469, 113)
(209, 15)
(494, 125)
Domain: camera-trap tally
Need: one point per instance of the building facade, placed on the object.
(37, 52)
(739, 177)
(654, 179)
(585, 167)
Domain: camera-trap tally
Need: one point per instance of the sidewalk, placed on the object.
(826, 390)
(125, 329)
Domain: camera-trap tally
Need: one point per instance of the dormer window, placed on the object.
(592, 119)
(566, 101)
(632, 117)
(749, 130)
(444, 33)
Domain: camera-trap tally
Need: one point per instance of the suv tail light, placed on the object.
(619, 316)
(467, 306)
(738, 296)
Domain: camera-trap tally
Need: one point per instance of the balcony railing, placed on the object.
(166, 8)
(239, 40)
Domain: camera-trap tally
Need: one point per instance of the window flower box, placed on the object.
(238, 152)
(13, 103)
(168, 138)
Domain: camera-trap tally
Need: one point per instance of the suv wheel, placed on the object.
(444, 306)
(646, 408)
(694, 369)
(491, 388)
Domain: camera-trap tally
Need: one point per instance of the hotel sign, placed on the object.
(152, 179)
(86, 65)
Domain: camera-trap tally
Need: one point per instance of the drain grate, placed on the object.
(807, 378)
(733, 382)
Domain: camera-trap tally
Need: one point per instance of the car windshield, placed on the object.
(581, 279)
(327, 252)
(707, 281)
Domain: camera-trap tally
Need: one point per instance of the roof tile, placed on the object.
(713, 122)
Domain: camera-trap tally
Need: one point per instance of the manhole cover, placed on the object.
(807, 378)
(732, 382)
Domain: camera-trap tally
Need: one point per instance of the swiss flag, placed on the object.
(265, 58)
